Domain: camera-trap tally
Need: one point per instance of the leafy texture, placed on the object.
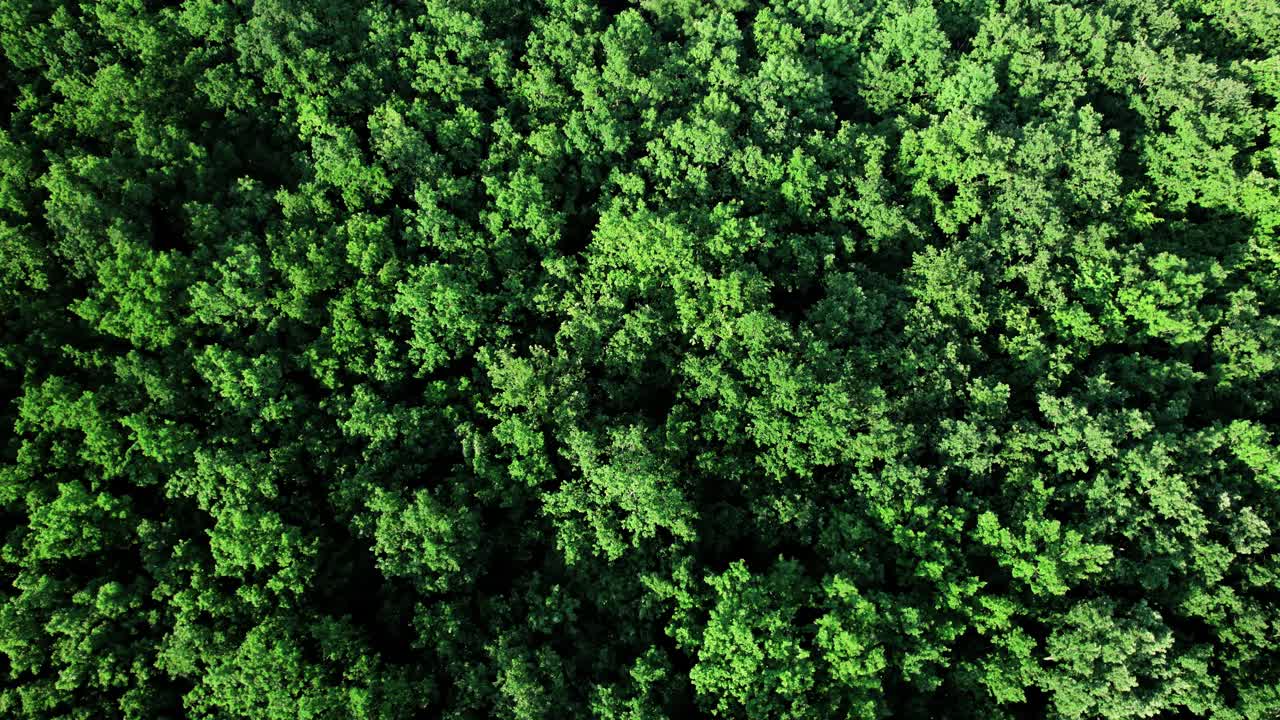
(640, 360)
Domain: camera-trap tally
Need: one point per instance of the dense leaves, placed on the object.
(787, 359)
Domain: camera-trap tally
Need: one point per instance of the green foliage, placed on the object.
(664, 359)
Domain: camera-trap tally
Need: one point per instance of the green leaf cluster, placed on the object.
(639, 359)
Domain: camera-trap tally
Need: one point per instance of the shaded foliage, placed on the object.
(656, 359)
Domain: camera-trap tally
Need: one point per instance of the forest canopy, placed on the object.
(761, 359)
